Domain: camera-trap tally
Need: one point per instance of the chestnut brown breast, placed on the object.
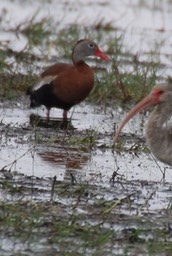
(74, 84)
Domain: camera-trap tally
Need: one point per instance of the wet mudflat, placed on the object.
(65, 190)
(69, 191)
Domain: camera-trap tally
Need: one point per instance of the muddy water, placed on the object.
(144, 23)
(47, 162)
(93, 165)
(58, 160)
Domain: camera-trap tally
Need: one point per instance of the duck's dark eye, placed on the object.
(91, 46)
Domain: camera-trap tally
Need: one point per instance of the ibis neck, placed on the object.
(160, 116)
(159, 133)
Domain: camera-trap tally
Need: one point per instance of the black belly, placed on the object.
(45, 96)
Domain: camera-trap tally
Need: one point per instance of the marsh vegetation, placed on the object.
(67, 190)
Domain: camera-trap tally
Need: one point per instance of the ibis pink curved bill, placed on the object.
(159, 129)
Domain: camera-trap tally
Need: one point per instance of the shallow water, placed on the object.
(58, 160)
(138, 173)
(146, 24)
(139, 176)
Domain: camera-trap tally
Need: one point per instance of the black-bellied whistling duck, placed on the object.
(64, 85)
(159, 128)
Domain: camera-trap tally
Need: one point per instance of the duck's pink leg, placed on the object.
(48, 114)
(64, 115)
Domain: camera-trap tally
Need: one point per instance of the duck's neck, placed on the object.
(77, 57)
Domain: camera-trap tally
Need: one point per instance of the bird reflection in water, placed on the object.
(68, 159)
(56, 123)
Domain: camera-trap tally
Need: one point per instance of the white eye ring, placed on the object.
(91, 45)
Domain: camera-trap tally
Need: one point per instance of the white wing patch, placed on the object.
(43, 81)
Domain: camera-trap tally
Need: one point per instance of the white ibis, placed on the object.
(159, 128)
